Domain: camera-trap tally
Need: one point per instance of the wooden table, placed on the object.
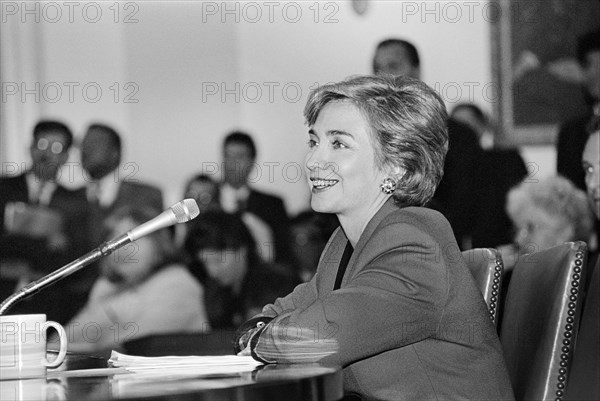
(86, 378)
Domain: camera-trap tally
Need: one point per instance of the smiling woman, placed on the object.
(340, 161)
(390, 302)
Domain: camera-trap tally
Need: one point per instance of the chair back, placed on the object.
(540, 320)
(584, 377)
(486, 267)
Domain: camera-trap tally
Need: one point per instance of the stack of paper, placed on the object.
(221, 365)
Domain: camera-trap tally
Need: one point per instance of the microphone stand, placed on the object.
(105, 249)
(180, 212)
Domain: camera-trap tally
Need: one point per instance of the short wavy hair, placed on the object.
(557, 196)
(408, 123)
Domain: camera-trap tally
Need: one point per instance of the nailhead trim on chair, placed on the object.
(496, 288)
(567, 343)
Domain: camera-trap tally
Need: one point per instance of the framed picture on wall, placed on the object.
(534, 45)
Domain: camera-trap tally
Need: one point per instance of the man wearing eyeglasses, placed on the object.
(43, 224)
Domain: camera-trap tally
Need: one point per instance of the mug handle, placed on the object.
(62, 353)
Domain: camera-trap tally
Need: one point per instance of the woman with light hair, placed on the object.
(544, 214)
(548, 213)
(390, 301)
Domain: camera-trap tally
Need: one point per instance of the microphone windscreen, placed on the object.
(185, 210)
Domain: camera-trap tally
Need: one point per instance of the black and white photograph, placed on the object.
(311, 200)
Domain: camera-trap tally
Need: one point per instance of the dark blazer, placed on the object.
(130, 194)
(271, 210)
(572, 137)
(138, 194)
(72, 206)
(408, 322)
(500, 170)
(60, 301)
(456, 194)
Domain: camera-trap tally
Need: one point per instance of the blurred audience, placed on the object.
(471, 115)
(310, 232)
(263, 214)
(205, 192)
(108, 187)
(143, 289)
(236, 282)
(546, 213)
(573, 133)
(456, 195)
(44, 224)
(501, 168)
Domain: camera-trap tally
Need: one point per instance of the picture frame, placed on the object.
(534, 65)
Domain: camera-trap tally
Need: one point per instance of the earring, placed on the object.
(388, 186)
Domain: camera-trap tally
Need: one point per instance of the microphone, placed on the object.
(181, 212)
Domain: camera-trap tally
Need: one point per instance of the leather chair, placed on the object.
(486, 267)
(584, 378)
(541, 319)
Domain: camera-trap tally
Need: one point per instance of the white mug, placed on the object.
(23, 341)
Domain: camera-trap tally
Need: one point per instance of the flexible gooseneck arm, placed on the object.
(105, 249)
(180, 212)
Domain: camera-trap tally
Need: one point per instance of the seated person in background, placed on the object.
(264, 214)
(143, 290)
(390, 301)
(225, 261)
(501, 168)
(544, 214)
(108, 187)
(310, 231)
(205, 192)
(471, 115)
(43, 225)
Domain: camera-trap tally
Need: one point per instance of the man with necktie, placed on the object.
(44, 224)
(264, 214)
(108, 187)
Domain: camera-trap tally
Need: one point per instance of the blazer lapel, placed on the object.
(387, 208)
(330, 261)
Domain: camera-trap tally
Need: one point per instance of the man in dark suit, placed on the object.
(257, 208)
(501, 168)
(573, 134)
(455, 194)
(106, 188)
(44, 225)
